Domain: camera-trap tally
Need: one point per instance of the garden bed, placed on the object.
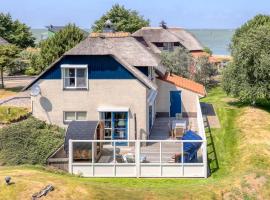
(12, 114)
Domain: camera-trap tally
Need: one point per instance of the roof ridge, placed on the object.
(109, 34)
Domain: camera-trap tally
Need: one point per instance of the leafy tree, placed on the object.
(55, 46)
(208, 50)
(204, 70)
(35, 64)
(177, 61)
(15, 32)
(257, 21)
(123, 19)
(7, 54)
(247, 77)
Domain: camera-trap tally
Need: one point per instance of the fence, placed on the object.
(138, 158)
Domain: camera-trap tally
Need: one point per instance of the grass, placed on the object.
(12, 114)
(242, 146)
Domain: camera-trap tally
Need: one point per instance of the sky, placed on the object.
(191, 14)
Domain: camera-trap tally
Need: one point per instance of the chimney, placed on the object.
(163, 24)
(108, 27)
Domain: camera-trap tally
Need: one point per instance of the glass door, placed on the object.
(116, 125)
(120, 125)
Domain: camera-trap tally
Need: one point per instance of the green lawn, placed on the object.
(12, 114)
(242, 151)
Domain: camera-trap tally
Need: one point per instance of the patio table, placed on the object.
(179, 123)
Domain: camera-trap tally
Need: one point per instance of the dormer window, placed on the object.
(168, 46)
(75, 76)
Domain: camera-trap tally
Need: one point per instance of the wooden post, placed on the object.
(70, 156)
(2, 77)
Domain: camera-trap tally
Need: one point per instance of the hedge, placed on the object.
(29, 142)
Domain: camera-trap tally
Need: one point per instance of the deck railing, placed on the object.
(136, 158)
(201, 129)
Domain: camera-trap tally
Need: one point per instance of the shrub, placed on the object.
(29, 142)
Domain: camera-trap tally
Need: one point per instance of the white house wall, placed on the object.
(131, 93)
(189, 99)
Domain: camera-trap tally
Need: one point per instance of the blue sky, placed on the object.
(184, 13)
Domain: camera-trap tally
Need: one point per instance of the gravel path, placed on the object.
(22, 99)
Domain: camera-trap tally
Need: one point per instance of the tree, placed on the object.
(35, 63)
(15, 32)
(125, 20)
(7, 54)
(204, 70)
(55, 46)
(177, 61)
(208, 50)
(257, 21)
(247, 77)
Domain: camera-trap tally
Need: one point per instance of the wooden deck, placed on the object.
(161, 128)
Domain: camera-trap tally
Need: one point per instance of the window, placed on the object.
(74, 116)
(75, 76)
(116, 124)
(168, 46)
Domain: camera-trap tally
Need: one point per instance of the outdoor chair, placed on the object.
(179, 132)
(178, 116)
(190, 148)
(119, 158)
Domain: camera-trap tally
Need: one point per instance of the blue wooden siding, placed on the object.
(144, 70)
(99, 67)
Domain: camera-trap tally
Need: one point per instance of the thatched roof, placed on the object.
(125, 47)
(159, 34)
(3, 41)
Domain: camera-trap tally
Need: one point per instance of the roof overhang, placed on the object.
(151, 97)
(112, 109)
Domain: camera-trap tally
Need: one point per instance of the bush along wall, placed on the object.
(29, 142)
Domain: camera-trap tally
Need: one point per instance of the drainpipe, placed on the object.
(135, 124)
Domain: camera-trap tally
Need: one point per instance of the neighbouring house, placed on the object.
(125, 115)
(52, 29)
(164, 38)
(220, 61)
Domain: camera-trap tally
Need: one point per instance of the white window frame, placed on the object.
(124, 109)
(64, 67)
(76, 113)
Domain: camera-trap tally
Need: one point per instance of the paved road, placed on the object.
(21, 99)
(17, 81)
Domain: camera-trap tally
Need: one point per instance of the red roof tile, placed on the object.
(185, 83)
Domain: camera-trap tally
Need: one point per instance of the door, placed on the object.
(120, 127)
(175, 103)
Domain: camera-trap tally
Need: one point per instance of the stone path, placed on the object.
(209, 111)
